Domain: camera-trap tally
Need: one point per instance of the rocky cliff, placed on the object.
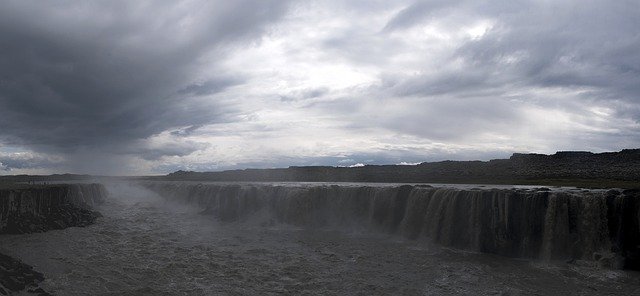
(40, 208)
(597, 226)
(37, 208)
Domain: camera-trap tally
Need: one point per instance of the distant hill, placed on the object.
(42, 178)
(570, 168)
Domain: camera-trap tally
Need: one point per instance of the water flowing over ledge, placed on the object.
(599, 226)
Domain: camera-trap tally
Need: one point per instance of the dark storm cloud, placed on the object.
(93, 74)
(234, 84)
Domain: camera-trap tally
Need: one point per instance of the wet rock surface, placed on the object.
(17, 276)
(146, 246)
(537, 223)
(64, 216)
(35, 209)
(42, 208)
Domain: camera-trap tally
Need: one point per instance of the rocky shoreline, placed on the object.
(17, 276)
(38, 208)
(64, 216)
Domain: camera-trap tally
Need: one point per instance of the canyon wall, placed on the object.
(37, 208)
(601, 226)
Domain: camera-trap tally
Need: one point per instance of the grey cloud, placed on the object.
(471, 82)
(12, 161)
(82, 76)
(187, 131)
(549, 43)
(589, 46)
(305, 94)
(94, 74)
(182, 148)
(372, 158)
(209, 87)
(564, 45)
(416, 12)
(446, 119)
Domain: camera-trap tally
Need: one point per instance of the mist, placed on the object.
(324, 147)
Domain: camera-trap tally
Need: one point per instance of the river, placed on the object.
(146, 246)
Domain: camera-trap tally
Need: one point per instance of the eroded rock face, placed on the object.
(61, 217)
(38, 209)
(17, 276)
(598, 226)
(42, 208)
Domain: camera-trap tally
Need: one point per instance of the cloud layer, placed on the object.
(126, 87)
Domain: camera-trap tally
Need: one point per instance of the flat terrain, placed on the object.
(580, 169)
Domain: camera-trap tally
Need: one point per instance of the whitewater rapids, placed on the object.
(148, 245)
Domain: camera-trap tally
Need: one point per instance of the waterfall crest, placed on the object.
(555, 225)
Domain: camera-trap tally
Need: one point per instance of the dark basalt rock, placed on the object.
(60, 218)
(16, 276)
(598, 226)
(29, 209)
(41, 208)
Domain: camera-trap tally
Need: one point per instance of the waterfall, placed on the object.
(602, 226)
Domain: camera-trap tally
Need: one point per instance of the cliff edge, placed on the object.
(38, 208)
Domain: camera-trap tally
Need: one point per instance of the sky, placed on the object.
(151, 87)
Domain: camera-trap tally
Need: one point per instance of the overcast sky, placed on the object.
(150, 87)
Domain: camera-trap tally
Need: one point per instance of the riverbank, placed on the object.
(28, 208)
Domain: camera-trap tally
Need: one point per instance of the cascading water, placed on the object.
(524, 223)
(172, 238)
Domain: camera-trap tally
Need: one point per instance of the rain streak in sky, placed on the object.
(147, 87)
